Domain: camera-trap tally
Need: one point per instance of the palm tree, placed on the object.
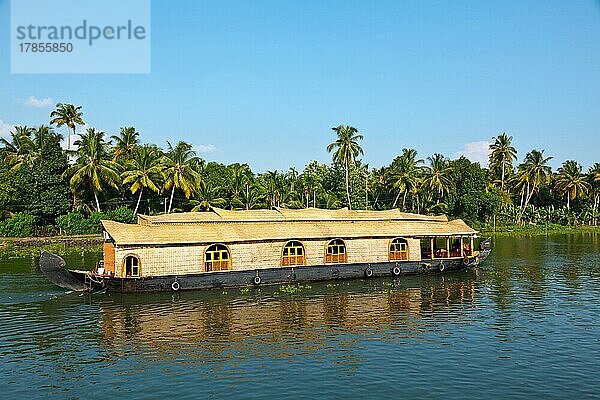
(92, 166)
(533, 172)
(207, 197)
(378, 184)
(180, 173)
(595, 172)
(271, 186)
(43, 134)
(293, 175)
(125, 143)
(144, 170)
(21, 149)
(571, 181)
(239, 182)
(347, 151)
(502, 153)
(69, 115)
(405, 171)
(594, 179)
(437, 175)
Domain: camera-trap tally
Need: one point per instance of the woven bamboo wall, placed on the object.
(164, 260)
(255, 255)
(190, 259)
(414, 249)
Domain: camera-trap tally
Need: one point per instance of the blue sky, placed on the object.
(264, 81)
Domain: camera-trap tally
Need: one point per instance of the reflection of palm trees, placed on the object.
(292, 314)
(218, 321)
(335, 309)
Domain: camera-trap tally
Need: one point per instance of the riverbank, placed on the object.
(93, 239)
(509, 230)
(504, 230)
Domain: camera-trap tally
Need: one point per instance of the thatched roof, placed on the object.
(284, 214)
(224, 226)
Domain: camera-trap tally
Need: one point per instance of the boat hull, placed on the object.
(88, 281)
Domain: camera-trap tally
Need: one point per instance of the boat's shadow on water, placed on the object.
(274, 312)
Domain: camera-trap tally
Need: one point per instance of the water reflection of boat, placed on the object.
(213, 316)
(224, 248)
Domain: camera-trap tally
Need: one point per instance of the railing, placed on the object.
(292, 260)
(336, 258)
(216, 265)
(398, 255)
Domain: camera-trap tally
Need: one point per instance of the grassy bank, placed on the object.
(532, 229)
(93, 239)
(96, 239)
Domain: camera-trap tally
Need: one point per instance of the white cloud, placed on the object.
(5, 128)
(205, 148)
(476, 152)
(33, 101)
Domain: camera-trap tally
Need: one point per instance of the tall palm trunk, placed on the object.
(138, 202)
(171, 201)
(396, 199)
(522, 196)
(502, 183)
(247, 196)
(69, 136)
(97, 202)
(348, 185)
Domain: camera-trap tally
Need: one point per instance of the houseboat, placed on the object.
(224, 248)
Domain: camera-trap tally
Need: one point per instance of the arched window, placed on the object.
(216, 258)
(398, 249)
(132, 265)
(335, 252)
(293, 253)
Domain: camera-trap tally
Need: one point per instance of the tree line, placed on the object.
(45, 189)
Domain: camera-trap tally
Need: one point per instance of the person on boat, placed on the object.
(467, 249)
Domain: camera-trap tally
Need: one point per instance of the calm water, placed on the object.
(525, 325)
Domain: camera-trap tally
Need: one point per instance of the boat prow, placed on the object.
(52, 266)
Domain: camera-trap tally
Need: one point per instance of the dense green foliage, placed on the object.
(19, 225)
(45, 189)
(75, 223)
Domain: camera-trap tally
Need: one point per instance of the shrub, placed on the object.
(73, 223)
(122, 214)
(19, 225)
(94, 221)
